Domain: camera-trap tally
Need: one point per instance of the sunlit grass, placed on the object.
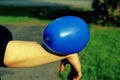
(100, 59)
(22, 21)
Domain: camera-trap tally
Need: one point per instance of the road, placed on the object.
(44, 72)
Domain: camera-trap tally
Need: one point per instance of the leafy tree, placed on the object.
(106, 11)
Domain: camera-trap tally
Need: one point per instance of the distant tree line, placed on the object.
(44, 12)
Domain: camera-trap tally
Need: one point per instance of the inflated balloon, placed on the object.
(66, 35)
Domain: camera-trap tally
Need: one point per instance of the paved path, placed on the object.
(44, 72)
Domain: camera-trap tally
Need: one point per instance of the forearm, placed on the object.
(36, 61)
(28, 54)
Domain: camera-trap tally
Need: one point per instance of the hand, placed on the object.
(73, 60)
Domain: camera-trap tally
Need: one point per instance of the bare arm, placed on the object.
(27, 54)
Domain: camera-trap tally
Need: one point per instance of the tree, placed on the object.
(105, 11)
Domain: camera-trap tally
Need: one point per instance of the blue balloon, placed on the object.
(66, 35)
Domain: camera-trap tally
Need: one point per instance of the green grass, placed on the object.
(22, 21)
(100, 59)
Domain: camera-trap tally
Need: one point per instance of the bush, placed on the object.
(105, 12)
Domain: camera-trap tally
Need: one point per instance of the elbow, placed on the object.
(8, 62)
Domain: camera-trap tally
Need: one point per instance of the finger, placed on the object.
(78, 76)
(74, 75)
(62, 67)
(63, 64)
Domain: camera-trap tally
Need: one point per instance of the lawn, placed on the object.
(100, 59)
(22, 21)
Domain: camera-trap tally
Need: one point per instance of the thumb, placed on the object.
(62, 67)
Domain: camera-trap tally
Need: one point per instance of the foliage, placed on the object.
(106, 12)
(100, 59)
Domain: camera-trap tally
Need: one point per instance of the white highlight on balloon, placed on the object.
(64, 34)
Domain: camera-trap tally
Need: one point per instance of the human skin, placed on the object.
(20, 54)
